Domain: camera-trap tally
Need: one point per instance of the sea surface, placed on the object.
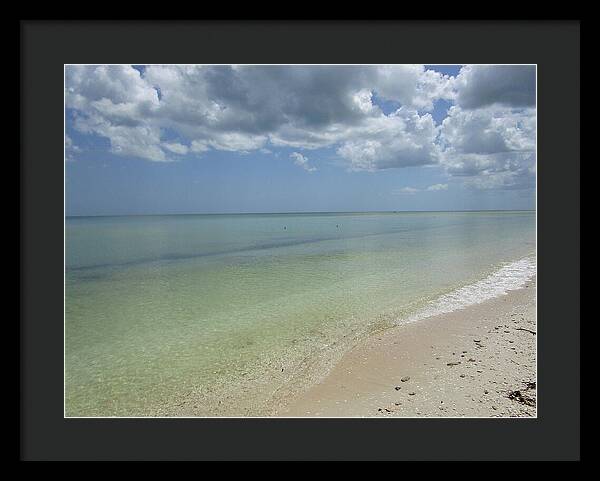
(230, 315)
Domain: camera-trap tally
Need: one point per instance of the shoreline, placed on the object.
(478, 361)
(350, 376)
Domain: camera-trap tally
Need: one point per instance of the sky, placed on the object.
(170, 139)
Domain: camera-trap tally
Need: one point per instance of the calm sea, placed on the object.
(231, 314)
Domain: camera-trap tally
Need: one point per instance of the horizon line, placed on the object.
(299, 212)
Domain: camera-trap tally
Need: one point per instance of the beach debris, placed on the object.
(405, 378)
(397, 388)
(453, 363)
(523, 329)
(521, 398)
(471, 359)
(485, 392)
(462, 375)
(412, 393)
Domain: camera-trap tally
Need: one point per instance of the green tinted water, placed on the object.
(225, 314)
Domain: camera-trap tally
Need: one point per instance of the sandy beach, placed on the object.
(479, 361)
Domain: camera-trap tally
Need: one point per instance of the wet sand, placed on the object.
(476, 362)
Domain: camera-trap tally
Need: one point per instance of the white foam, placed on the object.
(509, 277)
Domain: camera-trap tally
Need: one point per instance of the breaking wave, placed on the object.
(509, 277)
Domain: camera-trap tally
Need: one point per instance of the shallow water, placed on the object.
(223, 314)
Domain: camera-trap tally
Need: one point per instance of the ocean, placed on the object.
(230, 315)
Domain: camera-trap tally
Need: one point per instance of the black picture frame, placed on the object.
(45, 46)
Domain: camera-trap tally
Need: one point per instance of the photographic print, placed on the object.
(300, 241)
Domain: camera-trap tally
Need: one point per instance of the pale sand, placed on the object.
(370, 380)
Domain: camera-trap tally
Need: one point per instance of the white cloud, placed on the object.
(405, 190)
(364, 101)
(176, 148)
(413, 190)
(491, 147)
(412, 85)
(435, 187)
(508, 180)
(117, 84)
(242, 108)
(142, 140)
(402, 139)
(70, 149)
(487, 139)
(489, 130)
(199, 147)
(237, 142)
(302, 161)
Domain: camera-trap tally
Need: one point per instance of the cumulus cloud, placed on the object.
(412, 85)
(176, 147)
(243, 108)
(164, 112)
(70, 149)
(492, 147)
(199, 147)
(401, 139)
(141, 140)
(114, 102)
(115, 85)
(302, 161)
(508, 85)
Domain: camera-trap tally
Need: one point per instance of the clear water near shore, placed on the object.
(225, 314)
(511, 276)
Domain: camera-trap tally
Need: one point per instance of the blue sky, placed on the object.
(192, 139)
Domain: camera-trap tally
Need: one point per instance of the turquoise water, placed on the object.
(229, 314)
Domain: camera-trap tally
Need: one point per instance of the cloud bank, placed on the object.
(162, 113)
